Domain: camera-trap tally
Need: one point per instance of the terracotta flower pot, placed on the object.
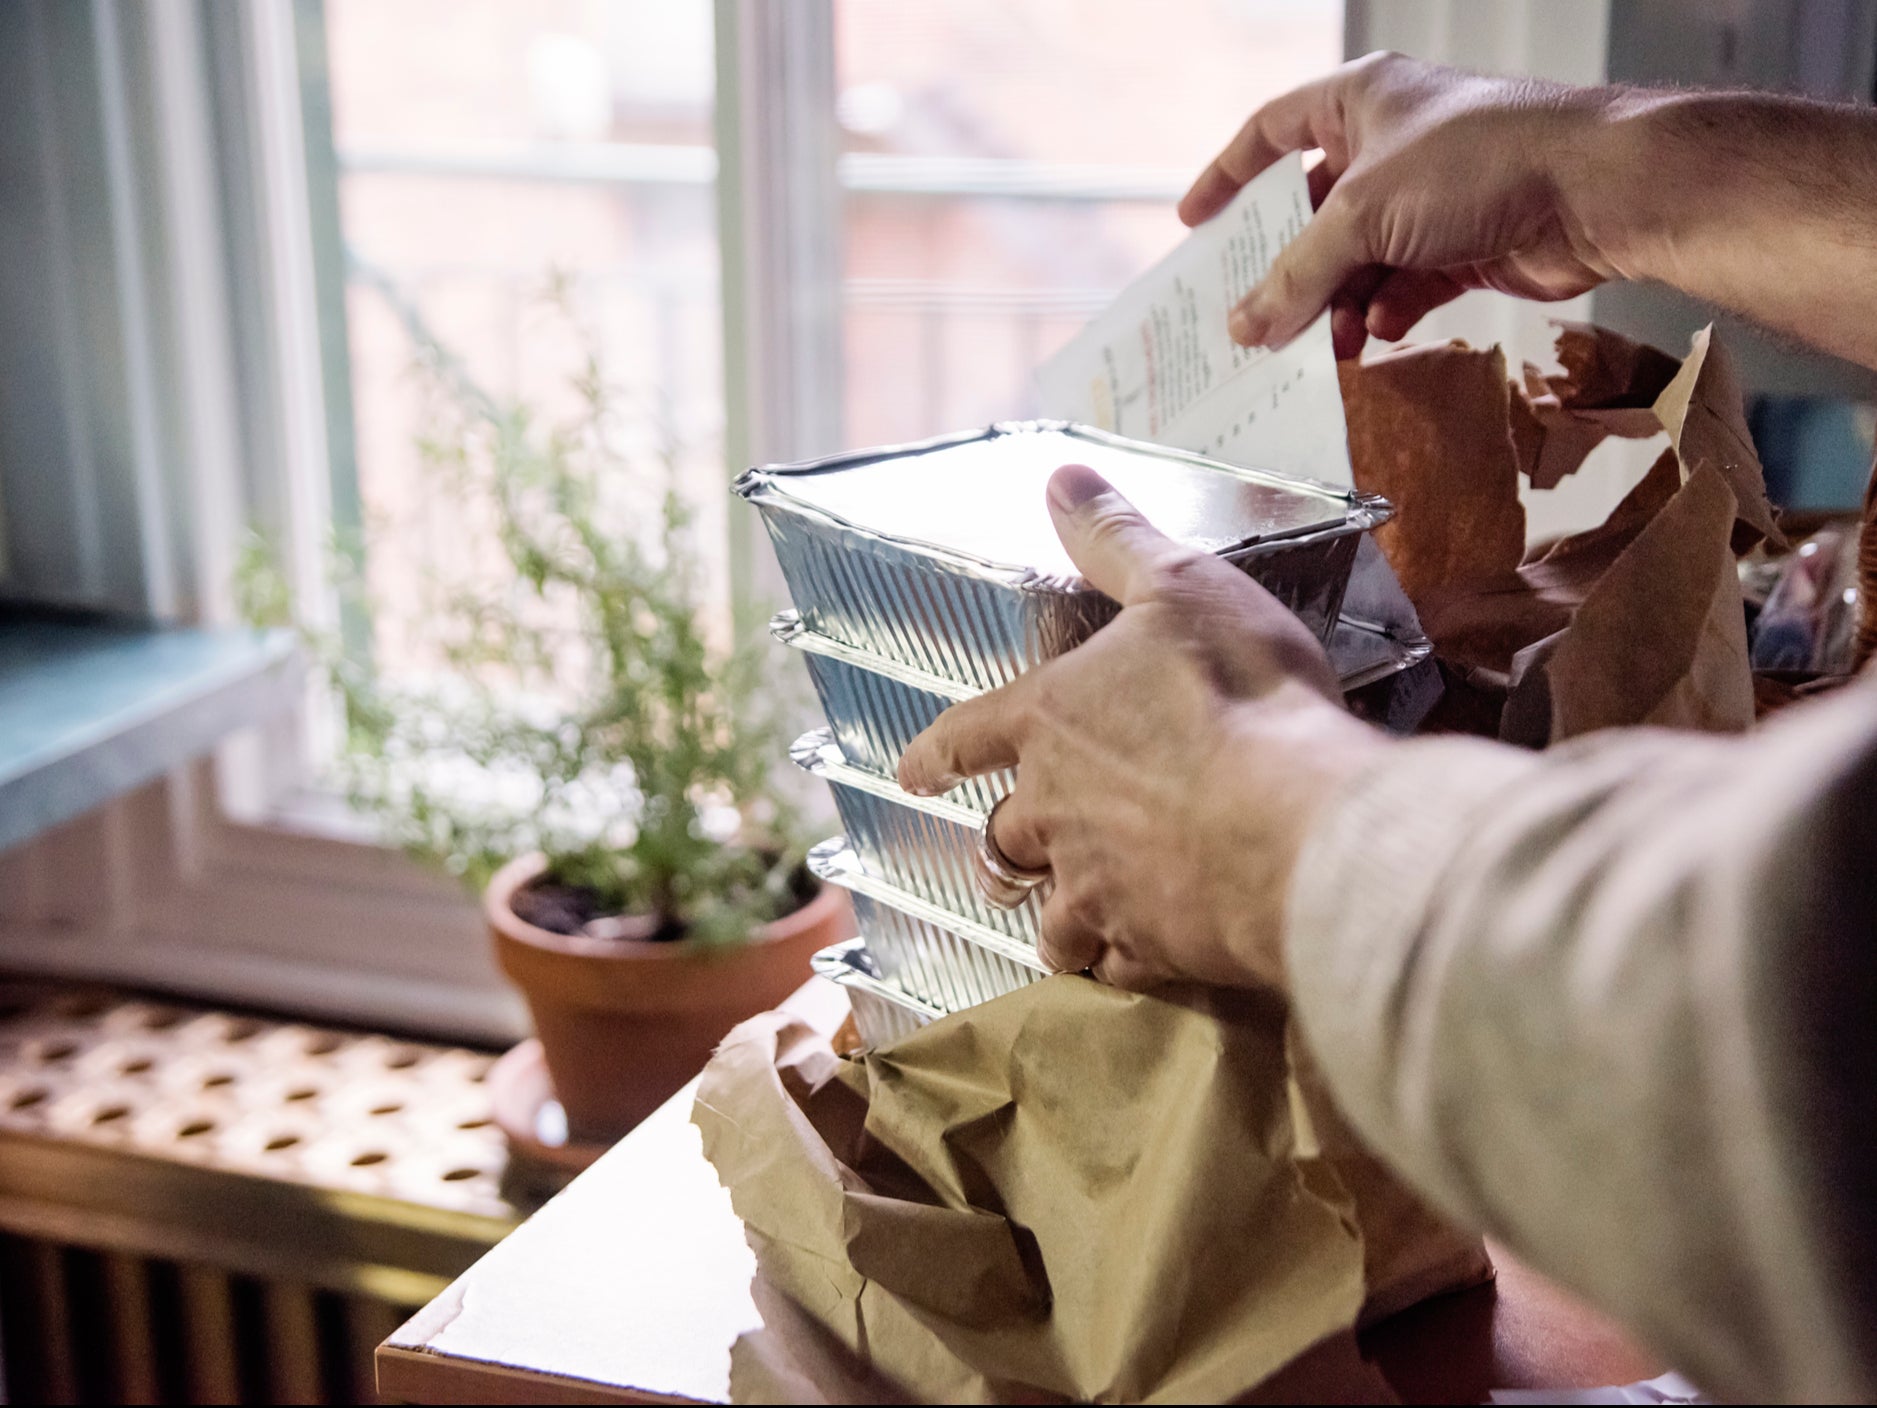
(624, 1023)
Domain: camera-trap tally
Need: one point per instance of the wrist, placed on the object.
(1293, 755)
(1607, 172)
(1654, 183)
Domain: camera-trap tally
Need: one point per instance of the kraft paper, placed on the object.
(1070, 1192)
(1638, 620)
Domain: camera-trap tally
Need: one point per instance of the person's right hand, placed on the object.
(1433, 181)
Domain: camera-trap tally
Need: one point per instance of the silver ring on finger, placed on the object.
(1001, 880)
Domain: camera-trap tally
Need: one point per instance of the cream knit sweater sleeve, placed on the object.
(1617, 1005)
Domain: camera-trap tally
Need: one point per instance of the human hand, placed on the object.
(1169, 767)
(1433, 182)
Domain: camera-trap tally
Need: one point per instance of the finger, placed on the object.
(1067, 944)
(972, 737)
(1300, 119)
(1349, 332)
(1019, 832)
(1307, 273)
(1119, 551)
(1405, 297)
(1119, 970)
(1348, 313)
(1321, 178)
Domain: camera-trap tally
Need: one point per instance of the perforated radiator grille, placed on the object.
(204, 1206)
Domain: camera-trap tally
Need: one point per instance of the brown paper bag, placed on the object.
(1638, 620)
(1069, 1192)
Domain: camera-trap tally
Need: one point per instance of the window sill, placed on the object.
(91, 709)
(300, 911)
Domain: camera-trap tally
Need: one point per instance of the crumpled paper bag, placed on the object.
(1070, 1192)
(1639, 620)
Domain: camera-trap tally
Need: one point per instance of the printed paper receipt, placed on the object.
(1160, 366)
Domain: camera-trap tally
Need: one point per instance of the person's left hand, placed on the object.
(1170, 767)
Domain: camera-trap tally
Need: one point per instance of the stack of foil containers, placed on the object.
(929, 573)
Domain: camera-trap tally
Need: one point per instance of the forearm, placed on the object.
(1568, 996)
(1765, 205)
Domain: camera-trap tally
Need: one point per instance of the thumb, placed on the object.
(1307, 273)
(1119, 551)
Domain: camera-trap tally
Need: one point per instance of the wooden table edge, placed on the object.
(412, 1375)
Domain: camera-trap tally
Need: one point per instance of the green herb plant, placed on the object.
(577, 705)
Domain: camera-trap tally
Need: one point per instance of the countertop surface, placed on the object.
(633, 1283)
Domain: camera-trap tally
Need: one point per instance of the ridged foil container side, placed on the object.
(875, 707)
(882, 1013)
(981, 625)
(932, 616)
(948, 961)
(971, 629)
(922, 845)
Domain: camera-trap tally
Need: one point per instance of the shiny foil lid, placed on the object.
(978, 498)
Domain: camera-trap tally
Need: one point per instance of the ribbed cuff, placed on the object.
(1368, 874)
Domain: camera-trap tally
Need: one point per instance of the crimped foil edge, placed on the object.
(760, 486)
(834, 861)
(816, 753)
(881, 1011)
(1404, 653)
(788, 627)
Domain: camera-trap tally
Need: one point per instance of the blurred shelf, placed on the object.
(92, 707)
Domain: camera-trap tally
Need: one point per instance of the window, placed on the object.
(899, 207)
(484, 149)
(1003, 168)
(1009, 165)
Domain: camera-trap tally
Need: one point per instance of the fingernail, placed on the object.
(1074, 485)
(1239, 325)
(934, 786)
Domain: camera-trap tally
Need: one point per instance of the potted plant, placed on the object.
(565, 734)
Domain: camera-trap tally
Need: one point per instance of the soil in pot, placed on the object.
(626, 1021)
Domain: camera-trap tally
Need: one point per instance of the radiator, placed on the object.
(199, 1206)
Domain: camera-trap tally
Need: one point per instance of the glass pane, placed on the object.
(1011, 164)
(489, 150)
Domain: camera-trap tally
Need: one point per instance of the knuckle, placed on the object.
(1108, 522)
(1287, 278)
(1351, 207)
(1042, 700)
(1350, 198)
(1087, 912)
(1054, 694)
(1065, 947)
(1374, 63)
(937, 746)
(1182, 571)
(1235, 161)
(1022, 827)
(1301, 656)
